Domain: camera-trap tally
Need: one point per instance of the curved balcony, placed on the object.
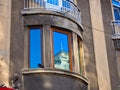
(63, 7)
(48, 79)
(116, 29)
(116, 33)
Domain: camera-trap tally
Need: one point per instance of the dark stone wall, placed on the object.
(17, 40)
(53, 21)
(44, 81)
(89, 55)
(112, 60)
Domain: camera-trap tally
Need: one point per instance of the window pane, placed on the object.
(35, 48)
(117, 13)
(80, 56)
(61, 51)
(39, 2)
(54, 2)
(66, 3)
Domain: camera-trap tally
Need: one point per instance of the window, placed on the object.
(39, 2)
(66, 3)
(35, 48)
(117, 13)
(59, 5)
(53, 5)
(62, 50)
(80, 56)
(54, 2)
(62, 47)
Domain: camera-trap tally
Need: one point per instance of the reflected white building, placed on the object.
(61, 60)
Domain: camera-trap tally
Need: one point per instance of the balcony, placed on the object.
(63, 7)
(116, 29)
(116, 33)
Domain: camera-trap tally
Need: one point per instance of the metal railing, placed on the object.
(116, 33)
(116, 29)
(64, 7)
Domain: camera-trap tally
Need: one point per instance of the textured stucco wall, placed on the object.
(99, 50)
(100, 45)
(89, 58)
(5, 22)
(112, 59)
(118, 61)
(17, 40)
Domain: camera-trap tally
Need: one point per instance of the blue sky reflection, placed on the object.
(60, 42)
(35, 48)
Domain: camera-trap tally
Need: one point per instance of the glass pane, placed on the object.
(61, 51)
(54, 2)
(79, 56)
(35, 48)
(66, 3)
(39, 2)
(117, 13)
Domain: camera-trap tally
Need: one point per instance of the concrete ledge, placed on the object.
(42, 11)
(50, 79)
(54, 71)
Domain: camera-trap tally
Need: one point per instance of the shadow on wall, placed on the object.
(89, 59)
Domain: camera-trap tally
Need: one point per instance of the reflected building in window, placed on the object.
(61, 60)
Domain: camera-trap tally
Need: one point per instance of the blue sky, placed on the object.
(60, 41)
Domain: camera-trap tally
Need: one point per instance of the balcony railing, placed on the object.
(64, 7)
(116, 33)
(116, 29)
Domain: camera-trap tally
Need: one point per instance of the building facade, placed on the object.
(116, 29)
(58, 45)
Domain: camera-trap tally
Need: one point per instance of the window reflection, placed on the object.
(35, 48)
(61, 51)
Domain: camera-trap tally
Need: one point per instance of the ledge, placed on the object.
(114, 37)
(55, 71)
(42, 11)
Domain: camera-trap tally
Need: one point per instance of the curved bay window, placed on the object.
(56, 48)
(62, 50)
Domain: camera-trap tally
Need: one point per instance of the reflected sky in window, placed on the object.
(61, 55)
(60, 42)
(35, 48)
